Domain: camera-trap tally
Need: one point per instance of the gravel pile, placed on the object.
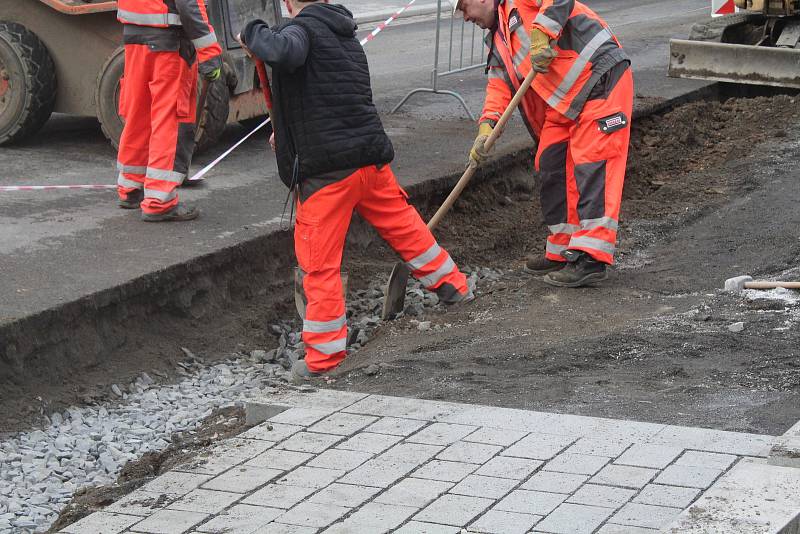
(40, 470)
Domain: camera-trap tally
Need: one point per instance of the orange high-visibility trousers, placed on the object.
(319, 238)
(158, 101)
(582, 166)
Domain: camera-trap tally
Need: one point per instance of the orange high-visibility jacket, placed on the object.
(586, 50)
(190, 15)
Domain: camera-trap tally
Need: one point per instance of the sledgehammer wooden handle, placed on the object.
(772, 285)
(496, 133)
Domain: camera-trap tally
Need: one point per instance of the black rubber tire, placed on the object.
(712, 29)
(31, 75)
(107, 96)
(252, 122)
(215, 115)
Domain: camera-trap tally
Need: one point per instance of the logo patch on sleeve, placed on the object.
(514, 20)
(611, 124)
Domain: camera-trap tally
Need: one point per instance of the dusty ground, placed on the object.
(709, 196)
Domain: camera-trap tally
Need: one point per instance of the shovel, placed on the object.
(395, 292)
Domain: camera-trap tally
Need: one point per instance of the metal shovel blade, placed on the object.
(395, 298)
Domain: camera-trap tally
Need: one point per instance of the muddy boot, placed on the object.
(581, 270)
(180, 212)
(542, 265)
(449, 296)
(301, 373)
(132, 200)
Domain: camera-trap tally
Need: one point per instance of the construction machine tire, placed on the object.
(27, 83)
(712, 29)
(107, 96)
(215, 115)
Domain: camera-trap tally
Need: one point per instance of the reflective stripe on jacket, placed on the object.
(190, 15)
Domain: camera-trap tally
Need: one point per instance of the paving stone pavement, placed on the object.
(346, 463)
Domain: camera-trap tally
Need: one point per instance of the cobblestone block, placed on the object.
(441, 434)
(578, 464)
(205, 501)
(240, 518)
(721, 441)
(226, 455)
(649, 455)
(368, 442)
(480, 486)
(278, 528)
(496, 436)
(139, 503)
(374, 518)
(414, 492)
(599, 447)
(539, 446)
(309, 442)
(530, 502)
(645, 515)
(102, 523)
(706, 459)
(343, 424)
(378, 473)
(605, 496)
(340, 459)
(344, 495)
(175, 484)
(279, 459)
(311, 514)
(405, 408)
(624, 476)
(672, 496)
(412, 453)
(169, 522)
(279, 496)
(455, 510)
(609, 528)
(497, 522)
(269, 431)
(300, 416)
(509, 467)
(445, 471)
(310, 477)
(242, 479)
(574, 519)
(415, 527)
(395, 426)
(471, 453)
(552, 482)
(688, 476)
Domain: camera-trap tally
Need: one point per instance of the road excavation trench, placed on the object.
(708, 195)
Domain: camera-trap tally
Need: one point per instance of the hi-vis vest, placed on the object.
(585, 46)
(191, 15)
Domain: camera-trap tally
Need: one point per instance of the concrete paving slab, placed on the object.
(454, 483)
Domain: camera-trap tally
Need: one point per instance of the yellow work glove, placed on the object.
(213, 76)
(478, 153)
(541, 52)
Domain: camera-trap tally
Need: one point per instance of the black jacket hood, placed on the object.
(337, 17)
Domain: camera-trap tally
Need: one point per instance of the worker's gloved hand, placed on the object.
(213, 75)
(541, 52)
(478, 153)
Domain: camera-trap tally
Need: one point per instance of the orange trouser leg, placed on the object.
(173, 92)
(558, 192)
(385, 206)
(134, 107)
(319, 237)
(600, 160)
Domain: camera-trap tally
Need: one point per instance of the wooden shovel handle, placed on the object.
(496, 133)
(772, 285)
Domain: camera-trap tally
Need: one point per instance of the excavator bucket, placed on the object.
(724, 62)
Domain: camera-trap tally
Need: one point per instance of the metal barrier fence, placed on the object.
(465, 51)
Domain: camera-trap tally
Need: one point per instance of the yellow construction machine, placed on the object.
(65, 56)
(759, 44)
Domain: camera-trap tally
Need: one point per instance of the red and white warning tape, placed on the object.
(383, 25)
(201, 174)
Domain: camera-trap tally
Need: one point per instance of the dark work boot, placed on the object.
(132, 200)
(542, 265)
(581, 270)
(449, 295)
(301, 373)
(181, 212)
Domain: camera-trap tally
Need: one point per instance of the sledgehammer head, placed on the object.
(737, 284)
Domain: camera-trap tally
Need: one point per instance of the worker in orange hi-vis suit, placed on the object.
(578, 109)
(166, 43)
